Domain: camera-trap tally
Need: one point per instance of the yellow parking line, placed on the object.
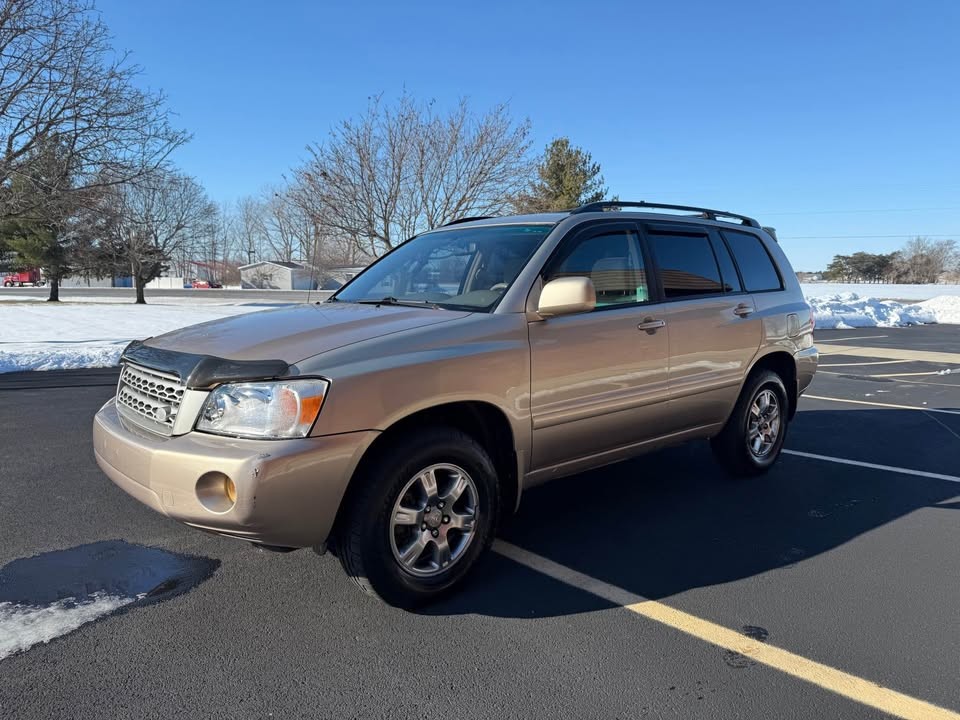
(861, 337)
(881, 404)
(890, 353)
(887, 375)
(842, 683)
(866, 362)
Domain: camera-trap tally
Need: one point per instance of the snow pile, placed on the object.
(48, 336)
(22, 626)
(849, 310)
(945, 308)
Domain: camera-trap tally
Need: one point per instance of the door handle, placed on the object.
(651, 325)
(742, 310)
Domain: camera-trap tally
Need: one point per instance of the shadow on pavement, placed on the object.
(672, 521)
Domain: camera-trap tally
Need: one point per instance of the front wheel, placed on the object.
(425, 510)
(753, 437)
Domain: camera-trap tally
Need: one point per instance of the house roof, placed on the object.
(279, 263)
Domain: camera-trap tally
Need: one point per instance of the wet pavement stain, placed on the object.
(739, 661)
(52, 594)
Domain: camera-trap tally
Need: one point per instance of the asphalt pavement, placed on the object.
(844, 555)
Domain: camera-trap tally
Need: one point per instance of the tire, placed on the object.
(734, 447)
(371, 543)
(8, 284)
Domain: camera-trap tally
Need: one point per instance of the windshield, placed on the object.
(458, 269)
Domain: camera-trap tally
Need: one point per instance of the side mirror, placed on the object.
(567, 295)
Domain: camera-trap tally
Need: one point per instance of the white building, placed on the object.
(278, 275)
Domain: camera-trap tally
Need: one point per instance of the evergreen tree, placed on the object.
(567, 177)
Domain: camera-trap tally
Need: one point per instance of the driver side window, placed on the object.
(612, 260)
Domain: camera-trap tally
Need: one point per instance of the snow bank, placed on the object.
(849, 310)
(884, 292)
(945, 308)
(47, 336)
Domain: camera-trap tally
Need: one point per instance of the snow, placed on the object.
(22, 626)
(946, 308)
(849, 310)
(883, 292)
(50, 336)
(93, 331)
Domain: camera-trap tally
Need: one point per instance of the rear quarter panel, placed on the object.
(787, 321)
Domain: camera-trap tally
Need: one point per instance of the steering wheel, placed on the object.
(499, 287)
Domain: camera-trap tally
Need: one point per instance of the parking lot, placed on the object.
(652, 588)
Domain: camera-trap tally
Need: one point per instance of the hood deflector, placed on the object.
(202, 372)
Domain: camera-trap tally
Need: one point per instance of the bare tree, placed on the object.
(159, 217)
(61, 82)
(923, 260)
(399, 170)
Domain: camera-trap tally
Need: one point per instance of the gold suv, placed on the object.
(400, 419)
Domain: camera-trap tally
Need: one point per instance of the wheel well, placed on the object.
(783, 364)
(484, 422)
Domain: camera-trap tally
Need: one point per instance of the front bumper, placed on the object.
(288, 491)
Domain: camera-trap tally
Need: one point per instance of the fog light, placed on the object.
(216, 492)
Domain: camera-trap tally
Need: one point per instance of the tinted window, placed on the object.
(754, 262)
(728, 271)
(687, 265)
(612, 260)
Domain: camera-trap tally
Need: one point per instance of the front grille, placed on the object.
(149, 398)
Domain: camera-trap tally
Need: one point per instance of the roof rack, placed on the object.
(604, 205)
(467, 219)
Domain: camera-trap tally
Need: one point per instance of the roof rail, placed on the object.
(604, 205)
(467, 219)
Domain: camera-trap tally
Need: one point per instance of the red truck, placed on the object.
(24, 277)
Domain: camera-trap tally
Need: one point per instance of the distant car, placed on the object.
(200, 285)
(399, 421)
(216, 285)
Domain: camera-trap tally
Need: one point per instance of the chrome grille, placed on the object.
(149, 398)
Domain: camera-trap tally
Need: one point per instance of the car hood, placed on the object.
(295, 333)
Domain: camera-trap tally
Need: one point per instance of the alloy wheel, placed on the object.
(434, 519)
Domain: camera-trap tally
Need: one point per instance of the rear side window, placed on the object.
(731, 282)
(756, 267)
(687, 265)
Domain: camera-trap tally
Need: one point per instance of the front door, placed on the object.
(598, 380)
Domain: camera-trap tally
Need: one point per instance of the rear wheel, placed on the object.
(753, 437)
(425, 510)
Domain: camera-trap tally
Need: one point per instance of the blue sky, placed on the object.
(822, 119)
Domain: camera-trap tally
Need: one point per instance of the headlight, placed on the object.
(280, 409)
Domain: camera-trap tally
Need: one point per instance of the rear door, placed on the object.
(714, 329)
(598, 379)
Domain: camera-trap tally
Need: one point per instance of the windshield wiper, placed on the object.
(390, 300)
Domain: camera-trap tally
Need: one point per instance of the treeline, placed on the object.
(88, 186)
(921, 260)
